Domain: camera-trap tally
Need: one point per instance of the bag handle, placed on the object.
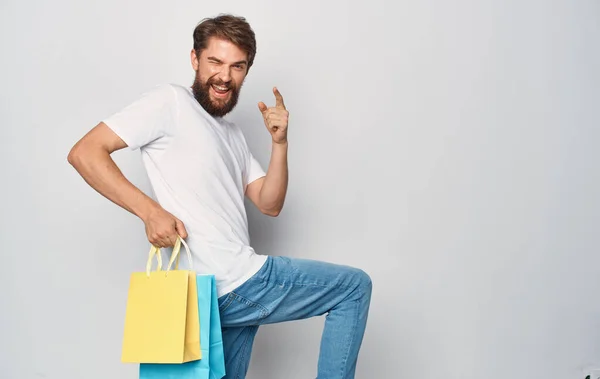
(175, 254)
(154, 250)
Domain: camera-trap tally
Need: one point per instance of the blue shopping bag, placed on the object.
(212, 363)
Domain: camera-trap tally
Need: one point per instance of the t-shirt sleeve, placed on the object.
(147, 119)
(254, 169)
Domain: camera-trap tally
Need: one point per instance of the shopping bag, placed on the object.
(216, 354)
(161, 318)
(212, 364)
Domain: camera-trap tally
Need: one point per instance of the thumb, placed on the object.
(262, 107)
(181, 229)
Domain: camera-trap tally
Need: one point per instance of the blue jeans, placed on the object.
(286, 289)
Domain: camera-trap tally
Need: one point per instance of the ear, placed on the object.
(194, 59)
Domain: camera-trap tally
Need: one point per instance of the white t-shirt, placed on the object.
(199, 167)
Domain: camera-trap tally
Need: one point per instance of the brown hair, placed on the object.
(233, 28)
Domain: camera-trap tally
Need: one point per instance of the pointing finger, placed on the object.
(278, 98)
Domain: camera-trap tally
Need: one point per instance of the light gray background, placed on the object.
(447, 148)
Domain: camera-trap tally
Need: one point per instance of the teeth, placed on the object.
(221, 88)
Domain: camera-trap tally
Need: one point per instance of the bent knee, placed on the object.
(363, 281)
(366, 282)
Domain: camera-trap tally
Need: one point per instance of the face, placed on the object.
(220, 72)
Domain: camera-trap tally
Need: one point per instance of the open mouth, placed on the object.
(220, 91)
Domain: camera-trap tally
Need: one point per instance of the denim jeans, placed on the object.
(286, 289)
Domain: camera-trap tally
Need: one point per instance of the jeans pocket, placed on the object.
(238, 310)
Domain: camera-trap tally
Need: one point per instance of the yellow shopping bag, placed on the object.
(162, 324)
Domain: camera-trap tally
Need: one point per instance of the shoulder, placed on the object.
(176, 89)
(159, 95)
(168, 91)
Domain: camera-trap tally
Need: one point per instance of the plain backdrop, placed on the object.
(449, 149)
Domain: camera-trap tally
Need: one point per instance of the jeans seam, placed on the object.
(343, 286)
(295, 270)
(243, 355)
(357, 303)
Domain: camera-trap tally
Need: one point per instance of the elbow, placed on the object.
(274, 213)
(272, 209)
(271, 212)
(77, 155)
(73, 156)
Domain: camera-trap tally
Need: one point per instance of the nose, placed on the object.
(225, 74)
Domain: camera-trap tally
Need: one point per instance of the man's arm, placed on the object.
(91, 157)
(268, 193)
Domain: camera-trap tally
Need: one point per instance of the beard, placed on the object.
(215, 107)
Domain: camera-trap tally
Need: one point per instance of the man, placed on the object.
(200, 169)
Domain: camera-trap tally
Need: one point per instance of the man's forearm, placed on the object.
(274, 188)
(99, 170)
